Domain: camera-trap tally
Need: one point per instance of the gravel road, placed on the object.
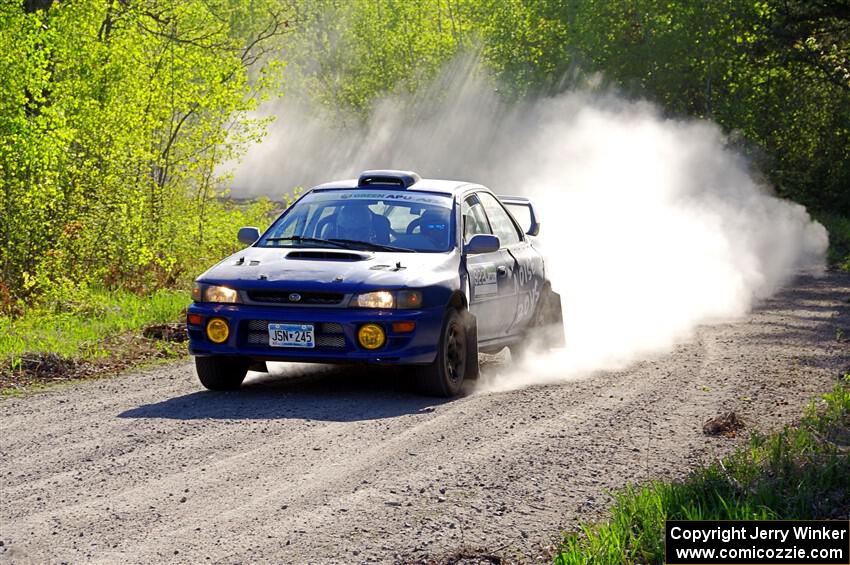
(345, 465)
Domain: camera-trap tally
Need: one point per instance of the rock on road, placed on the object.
(344, 465)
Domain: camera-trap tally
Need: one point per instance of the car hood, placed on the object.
(323, 269)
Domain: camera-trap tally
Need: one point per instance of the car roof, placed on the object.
(399, 180)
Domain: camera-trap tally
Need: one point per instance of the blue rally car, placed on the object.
(385, 269)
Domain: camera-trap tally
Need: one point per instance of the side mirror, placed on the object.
(248, 235)
(482, 243)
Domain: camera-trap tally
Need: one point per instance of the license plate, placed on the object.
(291, 335)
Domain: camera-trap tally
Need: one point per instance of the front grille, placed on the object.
(289, 297)
(335, 341)
(329, 335)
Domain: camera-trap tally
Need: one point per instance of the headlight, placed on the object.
(214, 293)
(387, 299)
(380, 299)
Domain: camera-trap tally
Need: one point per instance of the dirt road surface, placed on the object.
(328, 465)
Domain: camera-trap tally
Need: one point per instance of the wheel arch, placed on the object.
(458, 301)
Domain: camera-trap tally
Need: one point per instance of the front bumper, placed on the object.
(336, 333)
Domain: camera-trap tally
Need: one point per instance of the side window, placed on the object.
(503, 225)
(474, 218)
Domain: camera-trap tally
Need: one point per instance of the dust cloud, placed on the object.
(651, 225)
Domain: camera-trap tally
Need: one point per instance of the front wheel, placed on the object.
(444, 377)
(221, 373)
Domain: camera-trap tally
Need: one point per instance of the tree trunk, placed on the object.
(31, 6)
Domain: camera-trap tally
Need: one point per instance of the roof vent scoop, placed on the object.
(403, 179)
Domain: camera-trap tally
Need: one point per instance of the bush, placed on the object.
(838, 227)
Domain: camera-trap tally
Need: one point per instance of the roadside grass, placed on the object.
(170, 353)
(798, 473)
(86, 327)
(838, 226)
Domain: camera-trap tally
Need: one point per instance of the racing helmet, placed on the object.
(354, 221)
(434, 224)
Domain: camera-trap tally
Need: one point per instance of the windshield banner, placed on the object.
(386, 197)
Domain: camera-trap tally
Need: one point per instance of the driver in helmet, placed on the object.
(354, 221)
(434, 224)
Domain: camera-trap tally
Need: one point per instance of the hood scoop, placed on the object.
(328, 255)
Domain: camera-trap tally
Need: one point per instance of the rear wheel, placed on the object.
(221, 373)
(546, 329)
(444, 377)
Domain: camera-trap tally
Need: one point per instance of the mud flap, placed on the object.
(258, 366)
(553, 330)
(472, 368)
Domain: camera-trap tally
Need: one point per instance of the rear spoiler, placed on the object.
(521, 201)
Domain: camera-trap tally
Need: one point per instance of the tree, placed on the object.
(113, 118)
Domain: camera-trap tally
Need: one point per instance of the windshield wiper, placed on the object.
(375, 246)
(300, 239)
(343, 243)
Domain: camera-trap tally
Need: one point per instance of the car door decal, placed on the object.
(529, 287)
(484, 280)
(526, 271)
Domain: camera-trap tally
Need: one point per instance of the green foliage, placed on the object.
(350, 53)
(114, 116)
(798, 473)
(526, 43)
(774, 74)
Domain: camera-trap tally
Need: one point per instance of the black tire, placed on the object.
(546, 330)
(444, 377)
(472, 368)
(221, 373)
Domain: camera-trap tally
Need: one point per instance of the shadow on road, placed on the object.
(308, 392)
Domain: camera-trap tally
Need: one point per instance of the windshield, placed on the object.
(390, 220)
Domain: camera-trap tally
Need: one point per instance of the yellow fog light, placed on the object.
(217, 330)
(371, 336)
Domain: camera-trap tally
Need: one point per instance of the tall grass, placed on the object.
(802, 472)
